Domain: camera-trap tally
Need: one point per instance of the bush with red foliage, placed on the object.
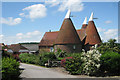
(64, 60)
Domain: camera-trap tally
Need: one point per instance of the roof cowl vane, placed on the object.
(91, 17)
(85, 21)
(68, 14)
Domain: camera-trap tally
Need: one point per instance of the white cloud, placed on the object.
(34, 36)
(34, 11)
(108, 22)
(28, 34)
(73, 5)
(110, 33)
(113, 32)
(19, 34)
(1, 36)
(107, 34)
(52, 3)
(22, 14)
(11, 21)
(100, 29)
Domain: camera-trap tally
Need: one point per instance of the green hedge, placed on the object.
(74, 65)
(40, 59)
(10, 69)
(110, 63)
(29, 58)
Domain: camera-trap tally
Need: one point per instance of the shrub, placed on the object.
(74, 65)
(29, 58)
(63, 61)
(60, 53)
(110, 63)
(10, 69)
(91, 61)
(60, 58)
(73, 54)
(43, 58)
(40, 59)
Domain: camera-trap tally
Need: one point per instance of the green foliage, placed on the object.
(91, 61)
(42, 51)
(111, 45)
(40, 59)
(60, 58)
(110, 63)
(84, 63)
(73, 54)
(74, 65)
(10, 69)
(60, 53)
(43, 58)
(5, 54)
(29, 58)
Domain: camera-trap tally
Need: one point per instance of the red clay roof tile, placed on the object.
(67, 33)
(92, 34)
(48, 39)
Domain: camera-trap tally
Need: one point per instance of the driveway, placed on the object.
(33, 71)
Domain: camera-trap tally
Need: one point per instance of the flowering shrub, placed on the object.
(91, 61)
(63, 61)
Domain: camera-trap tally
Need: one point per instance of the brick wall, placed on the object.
(69, 48)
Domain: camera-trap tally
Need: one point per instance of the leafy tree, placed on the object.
(111, 45)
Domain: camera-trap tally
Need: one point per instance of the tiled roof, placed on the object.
(17, 47)
(84, 26)
(48, 39)
(92, 34)
(81, 33)
(67, 33)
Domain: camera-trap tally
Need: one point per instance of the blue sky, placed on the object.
(30, 20)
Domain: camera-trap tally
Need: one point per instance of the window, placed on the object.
(74, 47)
(51, 49)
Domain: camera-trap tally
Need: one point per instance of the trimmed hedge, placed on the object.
(110, 63)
